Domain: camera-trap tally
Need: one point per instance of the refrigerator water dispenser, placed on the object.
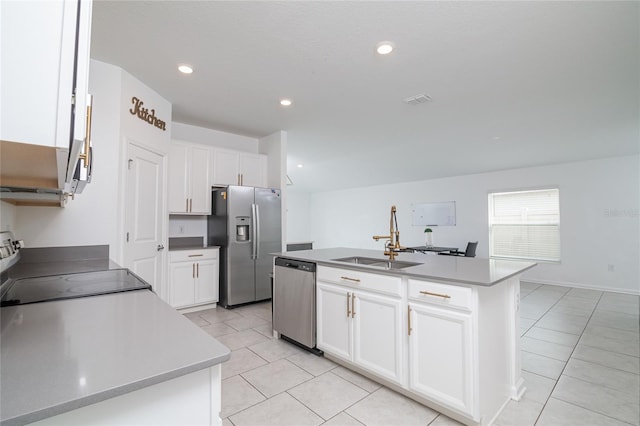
(242, 228)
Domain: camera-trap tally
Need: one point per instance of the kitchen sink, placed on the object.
(379, 263)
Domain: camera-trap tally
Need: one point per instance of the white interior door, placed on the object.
(144, 238)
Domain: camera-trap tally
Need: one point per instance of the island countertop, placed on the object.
(62, 355)
(455, 269)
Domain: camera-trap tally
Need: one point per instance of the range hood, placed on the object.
(33, 175)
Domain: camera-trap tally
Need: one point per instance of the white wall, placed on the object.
(187, 226)
(91, 218)
(298, 216)
(135, 131)
(274, 146)
(96, 215)
(7, 216)
(599, 214)
(217, 138)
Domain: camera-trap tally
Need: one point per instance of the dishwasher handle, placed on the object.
(295, 264)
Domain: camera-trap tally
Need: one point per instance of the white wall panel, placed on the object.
(215, 138)
(95, 216)
(7, 216)
(298, 218)
(599, 217)
(91, 218)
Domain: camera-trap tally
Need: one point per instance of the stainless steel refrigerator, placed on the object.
(246, 223)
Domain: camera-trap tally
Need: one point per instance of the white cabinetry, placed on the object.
(193, 277)
(334, 320)
(441, 349)
(189, 188)
(360, 320)
(253, 169)
(44, 82)
(43, 65)
(239, 168)
(192, 399)
(453, 347)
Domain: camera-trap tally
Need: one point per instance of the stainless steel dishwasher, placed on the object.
(294, 302)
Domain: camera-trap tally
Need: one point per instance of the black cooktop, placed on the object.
(70, 286)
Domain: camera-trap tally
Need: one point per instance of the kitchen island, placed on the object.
(443, 330)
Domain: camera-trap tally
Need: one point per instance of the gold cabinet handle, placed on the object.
(428, 293)
(193, 270)
(350, 279)
(196, 255)
(186, 208)
(87, 142)
(197, 270)
(353, 305)
(409, 320)
(348, 306)
(239, 179)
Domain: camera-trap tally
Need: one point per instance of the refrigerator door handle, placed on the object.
(254, 231)
(257, 228)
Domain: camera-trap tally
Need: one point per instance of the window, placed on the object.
(525, 225)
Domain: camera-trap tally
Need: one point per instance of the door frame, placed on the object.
(162, 290)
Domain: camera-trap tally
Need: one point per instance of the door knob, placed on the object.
(160, 247)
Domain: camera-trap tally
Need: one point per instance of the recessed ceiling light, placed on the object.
(384, 47)
(285, 102)
(185, 69)
(299, 166)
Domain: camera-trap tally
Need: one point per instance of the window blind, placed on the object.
(525, 224)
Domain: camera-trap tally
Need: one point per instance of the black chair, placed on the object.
(469, 252)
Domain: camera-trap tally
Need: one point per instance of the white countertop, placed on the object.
(62, 355)
(456, 269)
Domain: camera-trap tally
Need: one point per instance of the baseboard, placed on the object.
(584, 286)
(197, 308)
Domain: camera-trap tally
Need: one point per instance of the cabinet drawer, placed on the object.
(193, 255)
(363, 280)
(436, 293)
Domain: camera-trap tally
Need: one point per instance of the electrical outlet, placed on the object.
(611, 268)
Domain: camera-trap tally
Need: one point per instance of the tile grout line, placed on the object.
(341, 411)
(582, 408)
(565, 365)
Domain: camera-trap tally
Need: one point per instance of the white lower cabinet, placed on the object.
(442, 352)
(334, 320)
(377, 335)
(440, 356)
(193, 277)
(417, 334)
(360, 326)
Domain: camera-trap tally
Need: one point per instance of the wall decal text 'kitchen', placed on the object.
(143, 114)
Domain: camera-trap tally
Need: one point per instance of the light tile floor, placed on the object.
(580, 361)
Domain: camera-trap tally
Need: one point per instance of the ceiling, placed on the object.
(513, 84)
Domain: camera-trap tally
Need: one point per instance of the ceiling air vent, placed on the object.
(417, 99)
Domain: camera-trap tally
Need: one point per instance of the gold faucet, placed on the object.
(393, 246)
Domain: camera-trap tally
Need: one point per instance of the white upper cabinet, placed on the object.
(253, 169)
(189, 188)
(239, 168)
(226, 166)
(45, 71)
